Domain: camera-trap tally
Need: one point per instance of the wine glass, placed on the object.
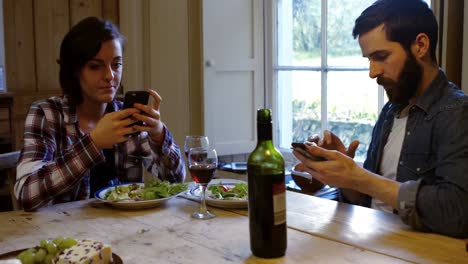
(194, 141)
(202, 165)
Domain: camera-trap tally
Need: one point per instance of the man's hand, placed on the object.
(342, 171)
(338, 169)
(331, 141)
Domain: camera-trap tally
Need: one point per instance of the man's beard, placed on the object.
(405, 88)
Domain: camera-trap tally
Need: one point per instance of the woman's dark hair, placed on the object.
(80, 45)
(403, 20)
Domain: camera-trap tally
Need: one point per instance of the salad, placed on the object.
(224, 192)
(149, 191)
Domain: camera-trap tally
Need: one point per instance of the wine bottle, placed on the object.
(267, 193)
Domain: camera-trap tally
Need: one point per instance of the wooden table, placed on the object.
(320, 231)
(371, 230)
(367, 229)
(168, 234)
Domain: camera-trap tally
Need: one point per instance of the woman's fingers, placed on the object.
(157, 99)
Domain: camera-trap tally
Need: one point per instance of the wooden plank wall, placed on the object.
(454, 48)
(34, 30)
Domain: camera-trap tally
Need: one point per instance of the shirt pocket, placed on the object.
(415, 166)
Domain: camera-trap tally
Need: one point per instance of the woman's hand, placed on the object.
(151, 117)
(113, 128)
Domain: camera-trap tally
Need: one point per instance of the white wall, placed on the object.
(156, 56)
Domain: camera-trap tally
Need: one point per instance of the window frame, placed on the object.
(272, 69)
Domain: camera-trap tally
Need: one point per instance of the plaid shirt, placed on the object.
(57, 156)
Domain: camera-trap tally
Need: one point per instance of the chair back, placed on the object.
(8, 162)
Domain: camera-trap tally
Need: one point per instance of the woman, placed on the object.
(77, 143)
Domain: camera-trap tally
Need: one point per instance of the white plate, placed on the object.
(193, 193)
(130, 204)
(236, 166)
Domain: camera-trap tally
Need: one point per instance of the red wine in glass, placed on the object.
(202, 173)
(202, 165)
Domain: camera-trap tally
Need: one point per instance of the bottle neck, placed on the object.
(264, 131)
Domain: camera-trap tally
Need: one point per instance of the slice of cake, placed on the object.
(85, 252)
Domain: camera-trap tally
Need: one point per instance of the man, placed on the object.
(417, 162)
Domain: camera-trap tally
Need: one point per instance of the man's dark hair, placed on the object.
(80, 45)
(403, 20)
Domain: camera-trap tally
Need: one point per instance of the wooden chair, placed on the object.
(8, 162)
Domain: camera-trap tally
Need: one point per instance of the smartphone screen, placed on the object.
(132, 97)
(298, 145)
(301, 148)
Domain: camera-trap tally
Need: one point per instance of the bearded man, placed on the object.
(417, 162)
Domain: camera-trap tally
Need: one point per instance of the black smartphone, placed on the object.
(301, 148)
(132, 97)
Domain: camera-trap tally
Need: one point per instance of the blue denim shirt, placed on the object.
(433, 164)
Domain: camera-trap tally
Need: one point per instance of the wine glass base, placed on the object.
(203, 216)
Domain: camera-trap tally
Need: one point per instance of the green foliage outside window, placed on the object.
(307, 27)
(311, 110)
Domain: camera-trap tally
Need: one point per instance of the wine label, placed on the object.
(279, 203)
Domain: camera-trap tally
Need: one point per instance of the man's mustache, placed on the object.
(385, 81)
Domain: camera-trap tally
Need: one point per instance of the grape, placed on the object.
(68, 243)
(28, 252)
(48, 259)
(46, 251)
(21, 255)
(31, 250)
(43, 243)
(51, 248)
(40, 255)
(58, 240)
(28, 258)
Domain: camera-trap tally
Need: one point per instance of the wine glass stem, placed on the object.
(203, 203)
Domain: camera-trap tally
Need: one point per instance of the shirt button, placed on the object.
(402, 205)
(401, 162)
(418, 169)
(408, 133)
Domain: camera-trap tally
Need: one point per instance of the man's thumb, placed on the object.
(352, 148)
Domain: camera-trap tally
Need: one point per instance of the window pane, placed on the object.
(299, 33)
(299, 106)
(352, 107)
(343, 49)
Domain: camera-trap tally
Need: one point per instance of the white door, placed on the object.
(233, 73)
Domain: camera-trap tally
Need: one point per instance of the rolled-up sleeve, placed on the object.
(407, 196)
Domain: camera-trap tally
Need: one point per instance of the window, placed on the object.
(320, 78)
